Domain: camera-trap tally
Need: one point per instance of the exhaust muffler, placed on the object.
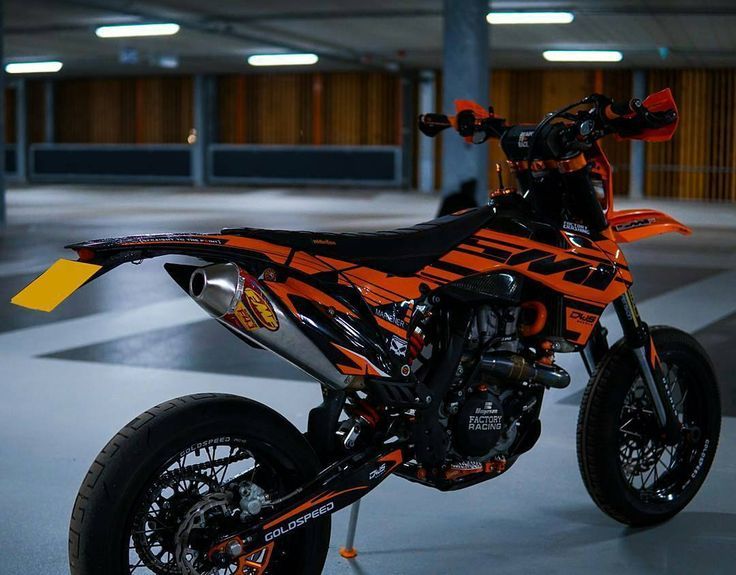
(236, 299)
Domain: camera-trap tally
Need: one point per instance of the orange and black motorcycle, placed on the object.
(434, 346)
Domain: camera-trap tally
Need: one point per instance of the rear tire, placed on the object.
(101, 537)
(618, 458)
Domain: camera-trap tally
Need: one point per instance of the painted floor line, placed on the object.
(100, 327)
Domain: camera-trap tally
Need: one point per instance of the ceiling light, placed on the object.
(583, 55)
(283, 59)
(530, 17)
(133, 30)
(33, 67)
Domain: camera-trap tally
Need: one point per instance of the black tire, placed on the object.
(122, 475)
(610, 454)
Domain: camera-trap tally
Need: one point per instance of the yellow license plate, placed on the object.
(54, 285)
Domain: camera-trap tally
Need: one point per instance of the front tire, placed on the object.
(134, 493)
(629, 471)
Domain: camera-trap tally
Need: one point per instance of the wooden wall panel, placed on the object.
(265, 109)
(363, 108)
(346, 108)
(700, 161)
(9, 116)
(148, 110)
(36, 111)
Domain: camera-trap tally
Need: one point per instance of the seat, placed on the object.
(400, 252)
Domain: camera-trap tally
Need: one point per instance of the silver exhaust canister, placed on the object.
(235, 298)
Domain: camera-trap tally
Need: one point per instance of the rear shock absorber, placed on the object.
(363, 417)
(416, 345)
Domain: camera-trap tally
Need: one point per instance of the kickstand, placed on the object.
(349, 551)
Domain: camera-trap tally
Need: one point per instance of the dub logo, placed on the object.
(261, 309)
(583, 317)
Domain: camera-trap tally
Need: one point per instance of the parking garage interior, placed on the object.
(181, 133)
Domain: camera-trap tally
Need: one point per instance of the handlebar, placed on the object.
(616, 110)
(627, 119)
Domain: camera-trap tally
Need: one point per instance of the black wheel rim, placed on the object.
(653, 470)
(205, 467)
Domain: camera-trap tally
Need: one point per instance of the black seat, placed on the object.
(399, 252)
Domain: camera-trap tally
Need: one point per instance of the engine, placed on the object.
(488, 416)
(479, 424)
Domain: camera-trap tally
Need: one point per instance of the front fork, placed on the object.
(639, 340)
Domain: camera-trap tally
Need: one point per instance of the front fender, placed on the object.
(634, 225)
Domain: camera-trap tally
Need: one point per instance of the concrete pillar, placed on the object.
(427, 104)
(212, 124)
(205, 125)
(200, 127)
(406, 133)
(21, 131)
(465, 76)
(637, 158)
(2, 122)
(49, 120)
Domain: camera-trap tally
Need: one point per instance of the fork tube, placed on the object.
(636, 333)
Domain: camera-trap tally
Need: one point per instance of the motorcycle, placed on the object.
(433, 345)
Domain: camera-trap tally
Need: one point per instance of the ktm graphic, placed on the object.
(433, 346)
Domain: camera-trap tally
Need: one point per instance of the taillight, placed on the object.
(85, 254)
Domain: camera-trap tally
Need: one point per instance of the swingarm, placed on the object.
(337, 486)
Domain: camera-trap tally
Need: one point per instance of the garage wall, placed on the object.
(150, 110)
(347, 109)
(363, 108)
(700, 161)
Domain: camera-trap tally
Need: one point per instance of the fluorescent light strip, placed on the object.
(530, 17)
(33, 67)
(136, 30)
(583, 55)
(283, 59)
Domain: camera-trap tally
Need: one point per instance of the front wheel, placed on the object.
(631, 473)
(170, 482)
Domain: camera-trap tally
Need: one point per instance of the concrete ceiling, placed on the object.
(217, 36)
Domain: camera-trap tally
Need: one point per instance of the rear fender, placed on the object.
(209, 247)
(337, 339)
(634, 225)
(98, 257)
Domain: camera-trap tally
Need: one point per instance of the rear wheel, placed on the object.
(170, 482)
(631, 473)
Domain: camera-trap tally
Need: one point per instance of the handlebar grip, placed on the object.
(617, 110)
(432, 124)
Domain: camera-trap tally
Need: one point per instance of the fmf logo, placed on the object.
(244, 318)
(583, 317)
(261, 309)
(299, 521)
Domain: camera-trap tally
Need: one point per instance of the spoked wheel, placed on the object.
(630, 471)
(177, 478)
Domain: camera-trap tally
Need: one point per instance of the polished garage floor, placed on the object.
(71, 379)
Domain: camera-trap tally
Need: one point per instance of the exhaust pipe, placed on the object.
(236, 299)
(510, 366)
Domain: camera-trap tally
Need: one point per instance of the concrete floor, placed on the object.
(71, 379)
